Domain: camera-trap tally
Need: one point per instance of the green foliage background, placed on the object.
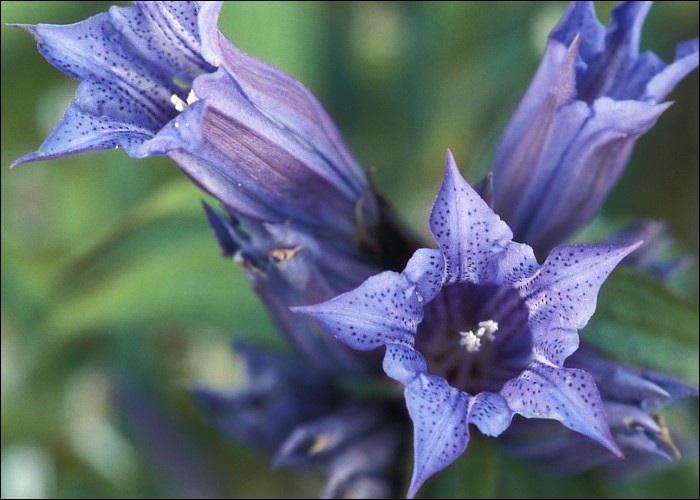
(115, 301)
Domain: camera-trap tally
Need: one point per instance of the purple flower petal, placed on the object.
(287, 103)
(585, 157)
(609, 69)
(466, 229)
(426, 269)
(523, 147)
(580, 20)
(403, 363)
(315, 440)
(563, 293)
(664, 82)
(390, 312)
(565, 394)
(128, 61)
(248, 153)
(439, 414)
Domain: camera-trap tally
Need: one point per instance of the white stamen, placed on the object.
(490, 327)
(191, 98)
(181, 105)
(472, 341)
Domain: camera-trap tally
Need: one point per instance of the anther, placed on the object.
(472, 340)
(181, 105)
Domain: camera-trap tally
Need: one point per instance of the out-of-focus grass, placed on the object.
(113, 292)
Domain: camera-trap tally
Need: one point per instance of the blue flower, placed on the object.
(159, 78)
(477, 330)
(304, 419)
(281, 393)
(288, 267)
(357, 445)
(571, 136)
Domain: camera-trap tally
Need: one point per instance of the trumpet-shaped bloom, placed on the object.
(159, 78)
(570, 138)
(477, 331)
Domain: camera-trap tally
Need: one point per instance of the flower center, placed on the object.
(472, 341)
(476, 336)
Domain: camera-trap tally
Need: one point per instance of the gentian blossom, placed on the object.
(159, 78)
(290, 410)
(477, 331)
(570, 138)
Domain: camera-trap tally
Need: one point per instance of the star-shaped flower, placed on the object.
(477, 330)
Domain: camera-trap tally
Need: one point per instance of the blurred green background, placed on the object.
(115, 300)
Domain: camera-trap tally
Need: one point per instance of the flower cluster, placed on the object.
(477, 330)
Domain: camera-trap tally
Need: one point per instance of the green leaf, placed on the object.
(639, 321)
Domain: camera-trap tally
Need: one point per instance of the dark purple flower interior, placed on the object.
(459, 309)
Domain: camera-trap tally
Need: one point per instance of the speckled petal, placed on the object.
(79, 132)
(469, 234)
(130, 62)
(441, 415)
(403, 363)
(385, 308)
(562, 295)
(426, 270)
(564, 394)
(441, 431)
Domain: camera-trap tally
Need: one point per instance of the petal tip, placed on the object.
(26, 159)
(450, 163)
